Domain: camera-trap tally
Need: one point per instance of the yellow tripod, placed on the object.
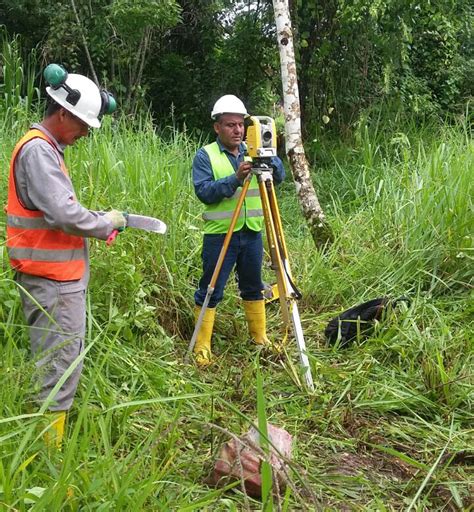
(288, 294)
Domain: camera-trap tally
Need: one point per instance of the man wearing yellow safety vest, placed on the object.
(219, 170)
(47, 230)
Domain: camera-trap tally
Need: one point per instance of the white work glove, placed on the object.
(117, 219)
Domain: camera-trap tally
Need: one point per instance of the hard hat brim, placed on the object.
(215, 116)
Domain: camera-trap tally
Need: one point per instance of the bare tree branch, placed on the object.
(84, 42)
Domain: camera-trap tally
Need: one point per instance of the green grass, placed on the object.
(388, 416)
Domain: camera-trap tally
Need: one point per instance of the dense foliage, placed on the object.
(414, 56)
(389, 425)
(180, 55)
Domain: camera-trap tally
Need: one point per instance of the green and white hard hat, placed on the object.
(78, 94)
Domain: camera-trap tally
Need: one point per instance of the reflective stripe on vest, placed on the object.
(33, 246)
(18, 253)
(217, 216)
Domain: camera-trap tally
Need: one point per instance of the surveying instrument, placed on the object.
(261, 147)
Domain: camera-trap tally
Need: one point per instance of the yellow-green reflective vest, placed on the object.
(217, 216)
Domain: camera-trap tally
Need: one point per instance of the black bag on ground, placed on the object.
(358, 320)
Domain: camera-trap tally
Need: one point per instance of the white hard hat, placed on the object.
(228, 104)
(82, 98)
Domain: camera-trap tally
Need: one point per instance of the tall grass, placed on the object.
(391, 418)
(18, 93)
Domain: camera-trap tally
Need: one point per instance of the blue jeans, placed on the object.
(245, 252)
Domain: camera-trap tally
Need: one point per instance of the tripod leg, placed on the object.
(220, 261)
(278, 250)
(276, 219)
(274, 249)
(295, 317)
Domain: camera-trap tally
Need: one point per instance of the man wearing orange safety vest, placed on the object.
(219, 170)
(47, 231)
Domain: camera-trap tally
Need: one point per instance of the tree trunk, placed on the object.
(309, 202)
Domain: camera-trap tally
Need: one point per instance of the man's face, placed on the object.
(230, 129)
(72, 128)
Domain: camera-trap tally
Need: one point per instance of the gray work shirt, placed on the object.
(42, 185)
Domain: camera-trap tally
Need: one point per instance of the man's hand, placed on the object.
(117, 219)
(243, 170)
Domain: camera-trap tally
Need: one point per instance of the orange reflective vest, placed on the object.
(33, 246)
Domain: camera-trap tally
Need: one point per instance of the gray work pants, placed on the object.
(57, 332)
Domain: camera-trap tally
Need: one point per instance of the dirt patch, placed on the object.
(372, 466)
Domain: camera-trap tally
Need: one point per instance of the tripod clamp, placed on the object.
(262, 165)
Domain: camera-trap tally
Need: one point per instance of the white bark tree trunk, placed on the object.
(309, 202)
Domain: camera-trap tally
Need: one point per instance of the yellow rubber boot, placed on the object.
(255, 314)
(202, 349)
(53, 437)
